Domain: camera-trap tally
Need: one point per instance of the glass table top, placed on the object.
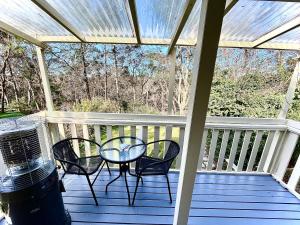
(122, 149)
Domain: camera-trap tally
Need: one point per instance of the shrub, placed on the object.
(98, 104)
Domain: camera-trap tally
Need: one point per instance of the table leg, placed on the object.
(127, 188)
(113, 180)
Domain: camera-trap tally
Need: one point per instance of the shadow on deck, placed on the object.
(217, 199)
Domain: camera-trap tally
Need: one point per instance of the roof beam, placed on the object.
(150, 41)
(7, 28)
(184, 17)
(229, 6)
(187, 10)
(247, 44)
(277, 32)
(54, 14)
(134, 20)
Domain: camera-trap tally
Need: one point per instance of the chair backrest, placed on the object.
(63, 150)
(172, 152)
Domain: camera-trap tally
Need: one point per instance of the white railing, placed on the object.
(287, 148)
(229, 144)
(104, 126)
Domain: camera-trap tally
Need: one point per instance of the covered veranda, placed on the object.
(224, 190)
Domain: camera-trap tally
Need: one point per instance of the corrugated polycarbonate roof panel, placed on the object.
(249, 20)
(103, 18)
(291, 37)
(111, 21)
(190, 30)
(158, 18)
(27, 17)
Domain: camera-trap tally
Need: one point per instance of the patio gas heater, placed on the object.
(30, 188)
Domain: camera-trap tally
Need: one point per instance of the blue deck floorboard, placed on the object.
(218, 199)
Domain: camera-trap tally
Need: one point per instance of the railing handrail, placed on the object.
(293, 126)
(242, 123)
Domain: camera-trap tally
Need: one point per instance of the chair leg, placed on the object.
(134, 175)
(108, 168)
(169, 188)
(97, 174)
(92, 190)
(136, 187)
(62, 177)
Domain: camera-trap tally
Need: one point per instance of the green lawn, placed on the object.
(10, 114)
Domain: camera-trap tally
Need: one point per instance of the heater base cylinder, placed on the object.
(40, 204)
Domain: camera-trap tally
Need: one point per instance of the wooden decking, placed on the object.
(217, 200)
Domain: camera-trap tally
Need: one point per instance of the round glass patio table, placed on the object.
(122, 150)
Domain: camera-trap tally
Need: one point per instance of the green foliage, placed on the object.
(21, 106)
(246, 96)
(141, 109)
(223, 98)
(294, 110)
(98, 104)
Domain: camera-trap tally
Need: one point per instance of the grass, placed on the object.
(150, 149)
(10, 115)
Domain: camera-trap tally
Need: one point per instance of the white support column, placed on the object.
(211, 17)
(172, 63)
(284, 155)
(45, 78)
(275, 145)
(290, 92)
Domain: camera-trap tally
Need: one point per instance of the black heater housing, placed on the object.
(30, 188)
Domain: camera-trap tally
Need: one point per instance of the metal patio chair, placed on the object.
(149, 166)
(72, 164)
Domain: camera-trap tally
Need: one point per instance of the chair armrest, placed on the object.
(88, 140)
(150, 158)
(92, 156)
(83, 139)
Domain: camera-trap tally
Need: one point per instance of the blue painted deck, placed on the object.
(218, 199)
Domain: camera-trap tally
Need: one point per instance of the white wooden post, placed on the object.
(290, 92)
(282, 115)
(294, 179)
(284, 155)
(45, 78)
(172, 61)
(211, 17)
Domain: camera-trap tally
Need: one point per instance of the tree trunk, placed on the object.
(3, 81)
(85, 77)
(16, 89)
(116, 72)
(3, 88)
(246, 61)
(106, 75)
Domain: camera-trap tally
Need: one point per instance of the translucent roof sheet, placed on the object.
(190, 30)
(263, 24)
(249, 20)
(292, 36)
(158, 18)
(104, 18)
(27, 17)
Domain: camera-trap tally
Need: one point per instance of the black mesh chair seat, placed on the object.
(89, 164)
(150, 169)
(72, 164)
(149, 166)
